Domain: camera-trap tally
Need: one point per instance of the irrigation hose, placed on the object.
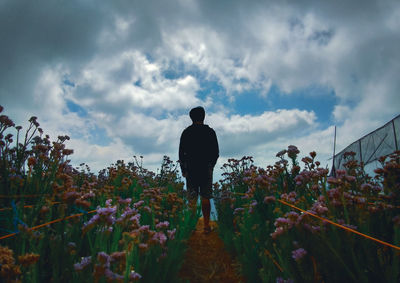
(28, 206)
(341, 226)
(336, 224)
(48, 223)
(22, 196)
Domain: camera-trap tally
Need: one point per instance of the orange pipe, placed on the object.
(341, 226)
(48, 223)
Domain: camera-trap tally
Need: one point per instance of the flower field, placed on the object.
(61, 224)
(289, 222)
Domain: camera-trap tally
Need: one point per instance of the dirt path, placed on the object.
(206, 260)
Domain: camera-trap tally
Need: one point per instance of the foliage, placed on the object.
(277, 243)
(133, 223)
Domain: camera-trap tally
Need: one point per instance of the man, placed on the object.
(198, 153)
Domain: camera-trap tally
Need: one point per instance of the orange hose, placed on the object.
(28, 206)
(273, 260)
(22, 196)
(341, 226)
(48, 223)
(338, 225)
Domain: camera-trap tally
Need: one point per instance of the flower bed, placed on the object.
(125, 224)
(260, 220)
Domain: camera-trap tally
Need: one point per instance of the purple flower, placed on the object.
(160, 237)
(278, 231)
(281, 221)
(88, 195)
(85, 261)
(340, 173)
(171, 233)
(139, 203)
(108, 202)
(396, 220)
(319, 208)
(110, 220)
(238, 210)
(135, 219)
(134, 275)
(127, 213)
(281, 280)
(91, 221)
(104, 259)
(161, 225)
(144, 228)
(292, 151)
(125, 201)
(269, 199)
(281, 153)
(112, 276)
(298, 254)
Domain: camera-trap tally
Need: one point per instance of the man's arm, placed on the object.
(182, 155)
(214, 148)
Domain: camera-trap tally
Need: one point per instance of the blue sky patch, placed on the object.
(99, 136)
(317, 98)
(68, 82)
(75, 108)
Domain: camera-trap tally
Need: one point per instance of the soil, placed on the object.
(206, 259)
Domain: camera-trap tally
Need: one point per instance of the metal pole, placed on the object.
(334, 152)
(395, 137)
(359, 146)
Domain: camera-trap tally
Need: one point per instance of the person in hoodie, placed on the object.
(198, 154)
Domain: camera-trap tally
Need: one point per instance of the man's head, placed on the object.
(197, 114)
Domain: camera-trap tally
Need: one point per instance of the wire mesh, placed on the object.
(381, 142)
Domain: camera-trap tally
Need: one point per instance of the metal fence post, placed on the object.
(395, 137)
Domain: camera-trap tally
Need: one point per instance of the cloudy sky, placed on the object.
(120, 77)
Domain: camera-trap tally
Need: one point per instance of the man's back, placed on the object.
(198, 147)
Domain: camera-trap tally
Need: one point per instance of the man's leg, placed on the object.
(206, 209)
(193, 205)
(192, 193)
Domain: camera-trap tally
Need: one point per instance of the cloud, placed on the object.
(133, 70)
(130, 81)
(240, 134)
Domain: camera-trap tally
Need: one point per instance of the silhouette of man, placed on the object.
(198, 153)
